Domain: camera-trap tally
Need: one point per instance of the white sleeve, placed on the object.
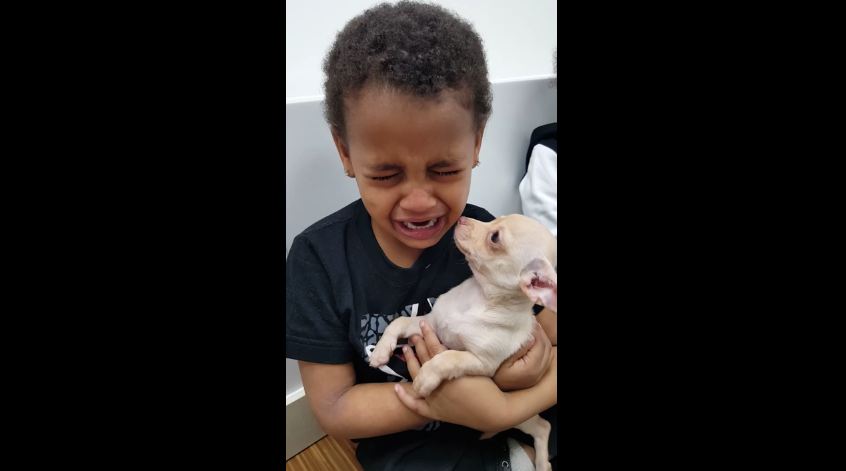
(539, 188)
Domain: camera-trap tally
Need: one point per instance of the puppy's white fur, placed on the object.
(488, 317)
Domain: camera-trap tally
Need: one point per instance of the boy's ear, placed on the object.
(479, 134)
(343, 150)
(540, 283)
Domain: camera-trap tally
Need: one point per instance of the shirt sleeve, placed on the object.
(539, 188)
(314, 329)
(478, 213)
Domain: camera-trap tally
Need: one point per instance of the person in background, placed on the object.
(539, 187)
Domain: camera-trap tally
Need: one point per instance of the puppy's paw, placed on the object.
(426, 381)
(381, 354)
(545, 466)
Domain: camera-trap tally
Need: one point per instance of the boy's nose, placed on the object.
(418, 201)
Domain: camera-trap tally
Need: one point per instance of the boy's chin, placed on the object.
(420, 244)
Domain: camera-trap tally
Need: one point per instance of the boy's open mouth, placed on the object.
(421, 224)
(420, 229)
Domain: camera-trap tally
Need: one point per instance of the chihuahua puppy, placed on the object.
(488, 317)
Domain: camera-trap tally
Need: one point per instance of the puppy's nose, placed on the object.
(463, 221)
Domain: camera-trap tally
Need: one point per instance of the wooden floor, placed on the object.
(327, 454)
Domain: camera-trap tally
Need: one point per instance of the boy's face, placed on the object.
(412, 159)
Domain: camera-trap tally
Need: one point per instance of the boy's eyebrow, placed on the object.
(387, 167)
(384, 167)
(445, 163)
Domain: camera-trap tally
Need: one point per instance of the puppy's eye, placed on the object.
(495, 237)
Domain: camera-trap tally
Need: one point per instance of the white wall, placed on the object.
(293, 381)
(519, 37)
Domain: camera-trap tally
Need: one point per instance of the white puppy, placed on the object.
(488, 317)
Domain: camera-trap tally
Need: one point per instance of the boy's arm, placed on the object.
(348, 410)
(525, 368)
(549, 321)
(498, 410)
(525, 403)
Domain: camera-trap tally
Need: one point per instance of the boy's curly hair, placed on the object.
(417, 48)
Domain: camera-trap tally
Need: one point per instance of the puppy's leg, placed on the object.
(538, 428)
(448, 365)
(400, 328)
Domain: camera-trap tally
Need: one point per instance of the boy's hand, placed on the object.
(526, 367)
(472, 401)
(426, 346)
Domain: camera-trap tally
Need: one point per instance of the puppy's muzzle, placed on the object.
(463, 229)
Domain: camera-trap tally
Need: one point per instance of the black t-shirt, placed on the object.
(342, 291)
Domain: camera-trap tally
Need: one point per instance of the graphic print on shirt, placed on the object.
(372, 328)
(374, 325)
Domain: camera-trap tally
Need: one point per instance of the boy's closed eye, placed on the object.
(434, 172)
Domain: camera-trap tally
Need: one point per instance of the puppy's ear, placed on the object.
(540, 283)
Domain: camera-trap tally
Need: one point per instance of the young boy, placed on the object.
(407, 99)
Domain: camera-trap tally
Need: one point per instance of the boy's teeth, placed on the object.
(429, 224)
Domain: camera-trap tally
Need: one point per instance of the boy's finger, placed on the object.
(433, 345)
(538, 356)
(544, 343)
(542, 333)
(418, 406)
(422, 351)
(410, 361)
(523, 351)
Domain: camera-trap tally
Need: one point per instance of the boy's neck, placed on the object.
(398, 253)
